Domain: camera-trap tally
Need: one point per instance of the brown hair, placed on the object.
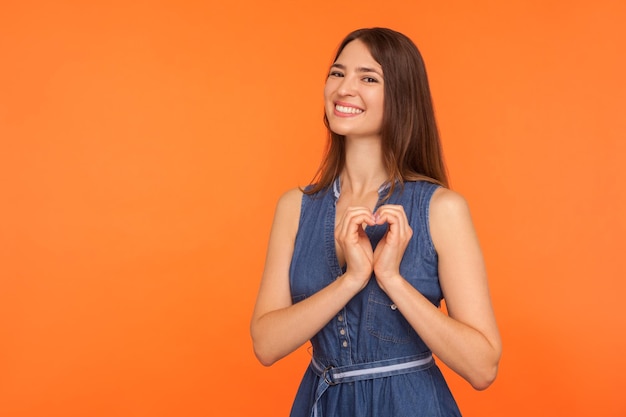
(410, 139)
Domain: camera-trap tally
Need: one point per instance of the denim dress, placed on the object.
(368, 360)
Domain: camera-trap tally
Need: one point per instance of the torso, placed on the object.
(368, 328)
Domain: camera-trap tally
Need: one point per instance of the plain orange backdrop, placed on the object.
(143, 146)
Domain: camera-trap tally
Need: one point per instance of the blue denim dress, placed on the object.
(368, 360)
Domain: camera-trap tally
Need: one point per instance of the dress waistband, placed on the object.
(331, 375)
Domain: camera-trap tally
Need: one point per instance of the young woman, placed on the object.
(359, 262)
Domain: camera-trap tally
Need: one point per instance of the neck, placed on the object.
(364, 170)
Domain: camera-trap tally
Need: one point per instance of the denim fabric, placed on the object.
(369, 328)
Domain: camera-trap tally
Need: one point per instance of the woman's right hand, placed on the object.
(355, 245)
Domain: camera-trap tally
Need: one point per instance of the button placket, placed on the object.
(341, 327)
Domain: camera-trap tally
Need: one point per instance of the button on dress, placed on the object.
(369, 333)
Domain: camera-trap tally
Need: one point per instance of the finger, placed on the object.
(391, 214)
(395, 216)
(352, 221)
(357, 215)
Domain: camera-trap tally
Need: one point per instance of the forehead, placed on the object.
(356, 53)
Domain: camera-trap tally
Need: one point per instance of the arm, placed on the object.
(279, 327)
(467, 339)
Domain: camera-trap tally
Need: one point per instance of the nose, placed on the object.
(347, 86)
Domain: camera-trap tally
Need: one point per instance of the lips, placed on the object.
(348, 110)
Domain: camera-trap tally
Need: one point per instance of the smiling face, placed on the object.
(354, 93)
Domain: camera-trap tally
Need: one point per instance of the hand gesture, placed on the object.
(355, 244)
(390, 249)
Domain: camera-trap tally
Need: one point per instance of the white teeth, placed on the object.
(351, 110)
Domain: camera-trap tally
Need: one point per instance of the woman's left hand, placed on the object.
(390, 249)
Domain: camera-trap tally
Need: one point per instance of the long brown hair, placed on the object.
(410, 139)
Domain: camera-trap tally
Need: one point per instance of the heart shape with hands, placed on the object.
(361, 259)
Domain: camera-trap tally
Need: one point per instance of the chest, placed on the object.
(316, 261)
(371, 201)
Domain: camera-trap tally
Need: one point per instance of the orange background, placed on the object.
(144, 145)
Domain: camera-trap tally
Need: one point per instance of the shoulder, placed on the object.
(450, 218)
(419, 195)
(419, 188)
(291, 197)
(446, 202)
(287, 214)
(289, 203)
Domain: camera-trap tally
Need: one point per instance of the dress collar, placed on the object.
(337, 188)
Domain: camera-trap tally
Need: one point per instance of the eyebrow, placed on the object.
(359, 69)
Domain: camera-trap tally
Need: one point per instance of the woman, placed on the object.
(359, 262)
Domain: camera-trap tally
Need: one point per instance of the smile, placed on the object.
(349, 110)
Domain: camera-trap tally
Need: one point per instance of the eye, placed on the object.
(370, 80)
(335, 74)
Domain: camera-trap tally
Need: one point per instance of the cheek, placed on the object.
(327, 91)
(328, 102)
(381, 106)
(376, 102)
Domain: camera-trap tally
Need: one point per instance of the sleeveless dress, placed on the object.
(368, 360)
